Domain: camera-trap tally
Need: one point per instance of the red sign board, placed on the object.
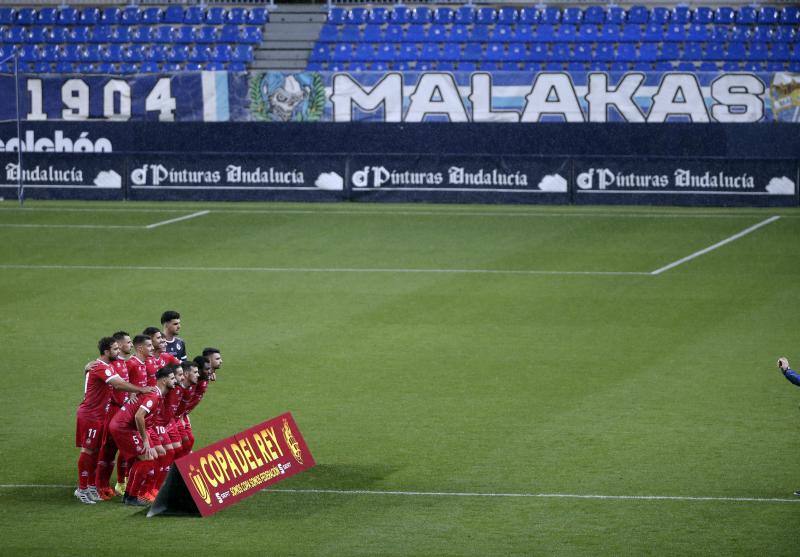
(237, 467)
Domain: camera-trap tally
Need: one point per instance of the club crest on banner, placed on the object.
(279, 97)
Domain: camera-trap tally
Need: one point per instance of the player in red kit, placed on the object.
(129, 429)
(191, 375)
(101, 379)
(166, 429)
(197, 393)
(105, 460)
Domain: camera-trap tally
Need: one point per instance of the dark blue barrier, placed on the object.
(692, 164)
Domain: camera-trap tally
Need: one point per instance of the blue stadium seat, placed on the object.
(178, 53)
(37, 34)
(479, 33)
(610, 32)
(747, 15)
(110, 16)
(149, 67)
(356, 16)
(250, 34)
(337, 16)
(443, 15)
(26, 16)
(91, 53)
(364, 52)
(377, 16)
(161, 34)
(140, 34)
(414, 33)
(205, 34)
(768, 15)
(698, 33)
(551, 16)
(681, 15)
(408, 52)
(349, 34)
(567, 33)
(237, 67)
(48, 52)
(647, 52)
(500, 33)
(171, 67)
(660, 15)
(485, 16)
(371, 34)
(319, 53)
(451, 52)
(133, 53)
(495, 52)
(41, 67)
(703, 15)
(386, 52)
(713, 51)
(692, 51)
(236, 16)
(776, 66)
(464, 15)
(64, 67)
(790, 15)
(638, 14)
(421, 15)
(631, 33)
(445, 66)
(736, 52)
(214, 66)
(183, 34)
(152, 16)
(393, 33)
(784, 34)
(17, 35)
(199, 54)
(642, 66)
(47, 16)
(720, 33)
(79, 34)
(582, 53)
(173, 14)
(761, 33)
(258, 16)
(341, 52)
(328, 34)
(539, 52)
(626, 52)
(472, 52)
(522, 33)
(158, 53)
(517, 52)
(545, 33)
(758, 52)
(669, 51)
(654, 33)
(127, 68)
(676, 33)
(216, 16)
(70, 53)
(193, 15)
(615, 14)
(724, 16)
(467, 66)
(739, 34)
(400, 15)
(7, 16)
(507, 16)
(588, 33)
(242, 53)
(779, 52)
(594, 14)
(708, 66)
(101, 33)
(572, 16)
(131, 16)
(430, 52)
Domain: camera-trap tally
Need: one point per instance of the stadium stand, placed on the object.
(532, 38)
(131, 39)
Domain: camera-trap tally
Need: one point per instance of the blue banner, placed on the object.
(408, 97)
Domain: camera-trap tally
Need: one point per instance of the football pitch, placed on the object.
(471, 380)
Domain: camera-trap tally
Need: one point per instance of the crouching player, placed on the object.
(129, 427)
(180, 433)
(91, 415)
(166, 429)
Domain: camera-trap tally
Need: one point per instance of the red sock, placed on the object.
(164, 463)
(105, 465)
(188, 444)
(122, 469)
(87, 464)
(150, 480)
(138, 476)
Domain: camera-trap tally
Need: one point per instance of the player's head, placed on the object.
(214, 358)
(190, 373)
(108, 347)
(171, 322)
(203, 368)
(159, 344)
(165, 377)
(124, 341)
(143, 346)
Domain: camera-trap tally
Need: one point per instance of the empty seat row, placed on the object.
(379, 66)
(249, 34)
(133, 15)
(622, 52)
(559, 33)
(745, 15)
(132, 53)
(123, 67)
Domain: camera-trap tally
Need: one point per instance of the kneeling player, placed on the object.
(129, 429)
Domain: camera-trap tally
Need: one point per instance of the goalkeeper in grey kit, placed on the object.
(793, 377)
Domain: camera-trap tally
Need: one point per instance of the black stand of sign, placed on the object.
(173, 497)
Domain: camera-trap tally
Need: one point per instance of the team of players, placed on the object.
(138, 396)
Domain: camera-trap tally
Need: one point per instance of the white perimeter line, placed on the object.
(93, 226)
(466, 494)
(178, 219)
(316, 270)
(715, 246)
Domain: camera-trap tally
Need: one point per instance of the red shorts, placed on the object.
(187, 425)
(89, 434)
(173, 432)
(128, 441)
(158, 436)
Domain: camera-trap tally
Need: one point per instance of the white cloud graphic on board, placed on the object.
(553, 182)
(330, 181)
(781, 186)
(108, 179)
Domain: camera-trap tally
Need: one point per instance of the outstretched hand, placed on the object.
(783, 364)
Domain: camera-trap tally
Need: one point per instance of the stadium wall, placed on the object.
(554, 163)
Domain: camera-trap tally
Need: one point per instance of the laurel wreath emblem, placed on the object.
(259, 108)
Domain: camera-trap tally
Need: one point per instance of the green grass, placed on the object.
(424, 381)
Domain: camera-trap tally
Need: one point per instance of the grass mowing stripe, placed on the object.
(316, 270)
(719, 244)
(478, 494)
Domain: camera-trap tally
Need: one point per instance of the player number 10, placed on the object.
(116, 100)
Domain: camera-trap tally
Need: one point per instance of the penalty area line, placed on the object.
(479, 494)
(719, 244)
(177, 219)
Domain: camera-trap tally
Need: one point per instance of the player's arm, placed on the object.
(142, 429)
(121, 385)
(788, 372)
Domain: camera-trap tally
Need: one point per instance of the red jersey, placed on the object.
(199, 391)
(137, 372)
(170, 407)
(152, 364)
(120, 366)
(97, 392)
(186, 398)
(166, 359)
(126, 417)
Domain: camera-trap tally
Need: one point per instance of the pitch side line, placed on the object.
(317, 270)
(177, 219)
(727, 240)
(478, 494)
(90, 226)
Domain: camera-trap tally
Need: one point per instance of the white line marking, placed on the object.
(177, 219)
(314, 270)
(92, 226)
(478, 494)
(715, 246)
